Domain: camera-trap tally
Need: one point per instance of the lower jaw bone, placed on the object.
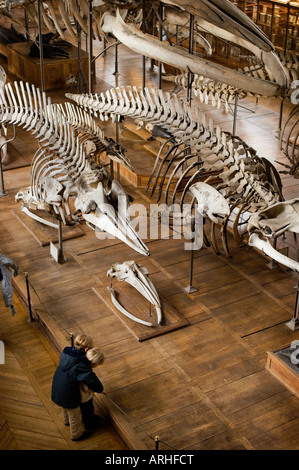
(153, 48)
(265, 247)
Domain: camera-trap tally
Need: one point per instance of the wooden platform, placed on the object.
(282, 370)
(135, 304)
(55, 70)
(45, 234)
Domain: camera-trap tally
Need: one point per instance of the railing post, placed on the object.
(30, 319)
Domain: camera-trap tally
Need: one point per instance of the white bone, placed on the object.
(265, 247)
(137, 276)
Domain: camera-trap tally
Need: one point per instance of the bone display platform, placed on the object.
(202, 387)
(55, 70)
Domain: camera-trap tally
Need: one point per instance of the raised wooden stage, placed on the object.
(203, 386)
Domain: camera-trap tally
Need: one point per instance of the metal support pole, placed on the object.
(90, 33)
(143, 57)
(157, 440)
(273, 264)
(117, 140)
(26, 25)
(40, 40)
(61, 258)
(293, 324)
(278, 132)
(72, 340)
(235, 114)
(116, 58)
(79, 58)
(3, 192)
(190, 289)
(191, 44)
(30, 319)
(160, 37)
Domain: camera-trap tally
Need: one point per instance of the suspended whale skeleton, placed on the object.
(61, 168)
(137, 276)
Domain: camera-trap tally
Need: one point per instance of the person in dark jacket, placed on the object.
(73, 369)
(90, 419)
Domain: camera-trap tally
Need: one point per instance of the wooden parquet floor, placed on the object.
(29, 420)
(202, 387)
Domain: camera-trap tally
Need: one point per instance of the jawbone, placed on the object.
(225, 21)
(265, 247)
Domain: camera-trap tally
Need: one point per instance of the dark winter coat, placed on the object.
(73, 367)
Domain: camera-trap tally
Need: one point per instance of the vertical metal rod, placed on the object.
(117, 140)
(152, 60)
(191, 44)
(190, 288)
(90, 34)
(235, 114)
(157, 442)
(26, 25)
(143, 57)
(3, 192)
(293, 324)
(192, 255)
(160, 37)
(176, 40)
(60, 235)
(28, 297)
(72, 340)
(280, 116)
(41, 52)
(79, 57)
(116, 58)
(61, 258)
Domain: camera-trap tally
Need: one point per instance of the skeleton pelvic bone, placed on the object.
(137, 276)
(209, 201)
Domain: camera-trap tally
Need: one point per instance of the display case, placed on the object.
(278, 19)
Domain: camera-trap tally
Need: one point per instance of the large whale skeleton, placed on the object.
(61, 169)
(249, 184)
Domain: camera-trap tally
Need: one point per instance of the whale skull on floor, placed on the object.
(137, 276)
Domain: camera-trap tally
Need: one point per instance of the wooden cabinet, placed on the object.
(279, 20)
(55, 70)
